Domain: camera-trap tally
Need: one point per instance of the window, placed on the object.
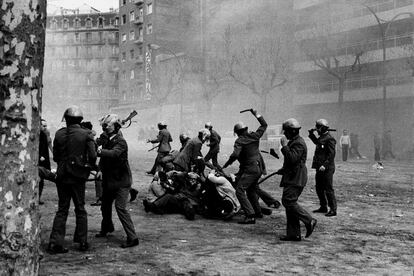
(124, 19)
(149, 29)
(140, 32)
(131, 16)
(131, 52)
(88, 37)
(88, 23)
(77, 23)
(100, 77)
(123, 56)
(77, 37)
(88, 51)
(132, 35)
(124, 95)
(132, 75)
(100, 22)
(123, 75)
(77, 51)
(65, 24)
(116, 21)
(124, 37)
(140, 51)
(53, 24)
(124, 2)
(100, 35)
(149, 8)
(141, 12)
(116, 36)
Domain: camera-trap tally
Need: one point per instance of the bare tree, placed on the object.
(260, 63)
(327, 59)
(167, 75)
(22, 42)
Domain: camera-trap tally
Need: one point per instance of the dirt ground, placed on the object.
(373, 233)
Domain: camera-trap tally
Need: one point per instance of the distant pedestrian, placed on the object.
(345, 143)
(377, 146)
(324, 164)
(354, 149)
(387, 145)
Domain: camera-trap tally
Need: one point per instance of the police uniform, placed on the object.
(214, 148)
(246, 151)
(294, 178)
(116, 183)
(73, 147)
(324, 156)
(164, 138)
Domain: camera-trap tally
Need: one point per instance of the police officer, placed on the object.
(116, 180)
(246, 151)
(214, 146)
(324, 164)
(73, 148)
(164, 138)
(294, 178)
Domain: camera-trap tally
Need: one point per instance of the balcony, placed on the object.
(139, 40)
(139, 2)
(139, 59)
(139, 20)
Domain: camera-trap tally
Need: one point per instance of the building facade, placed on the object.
(81, 64)
(355, 70)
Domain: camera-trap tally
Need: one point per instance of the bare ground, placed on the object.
(373, 233)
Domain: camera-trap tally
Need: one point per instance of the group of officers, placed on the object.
(75, 150)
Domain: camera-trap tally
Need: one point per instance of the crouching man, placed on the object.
(116, 180)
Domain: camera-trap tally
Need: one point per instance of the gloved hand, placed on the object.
(322, 168)
(273, 153)
(253, 111)
(283, 141)
(98, 175)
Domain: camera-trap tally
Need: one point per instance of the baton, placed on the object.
(153, 148)
(246, 110)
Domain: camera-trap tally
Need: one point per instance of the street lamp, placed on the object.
(156, 47)
(384, 32)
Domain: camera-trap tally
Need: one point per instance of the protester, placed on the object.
(214, 145)
(45, 145)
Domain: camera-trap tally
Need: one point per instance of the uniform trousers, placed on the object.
(120, 196)
(294, 212)
(66, 192)
(157, 163)
(246, 192)
(324, 188)
(213, 155)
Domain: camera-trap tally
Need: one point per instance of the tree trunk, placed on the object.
(263, 110)
(341, 89)
(22, 42)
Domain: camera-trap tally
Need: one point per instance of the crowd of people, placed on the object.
(183, 181)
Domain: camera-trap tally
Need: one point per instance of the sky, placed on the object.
(102, 5)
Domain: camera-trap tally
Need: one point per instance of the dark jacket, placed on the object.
(214, 141)
(114, 165)
(324, 151)
(246, 150)
(294, 171)
(189, 154)
(44, 150)
(164, 138)
(74, 152)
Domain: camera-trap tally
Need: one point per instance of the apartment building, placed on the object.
(149, 28)
(341, 73)
(81, 63)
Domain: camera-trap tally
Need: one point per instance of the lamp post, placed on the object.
(156, 47)
(384, 30)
